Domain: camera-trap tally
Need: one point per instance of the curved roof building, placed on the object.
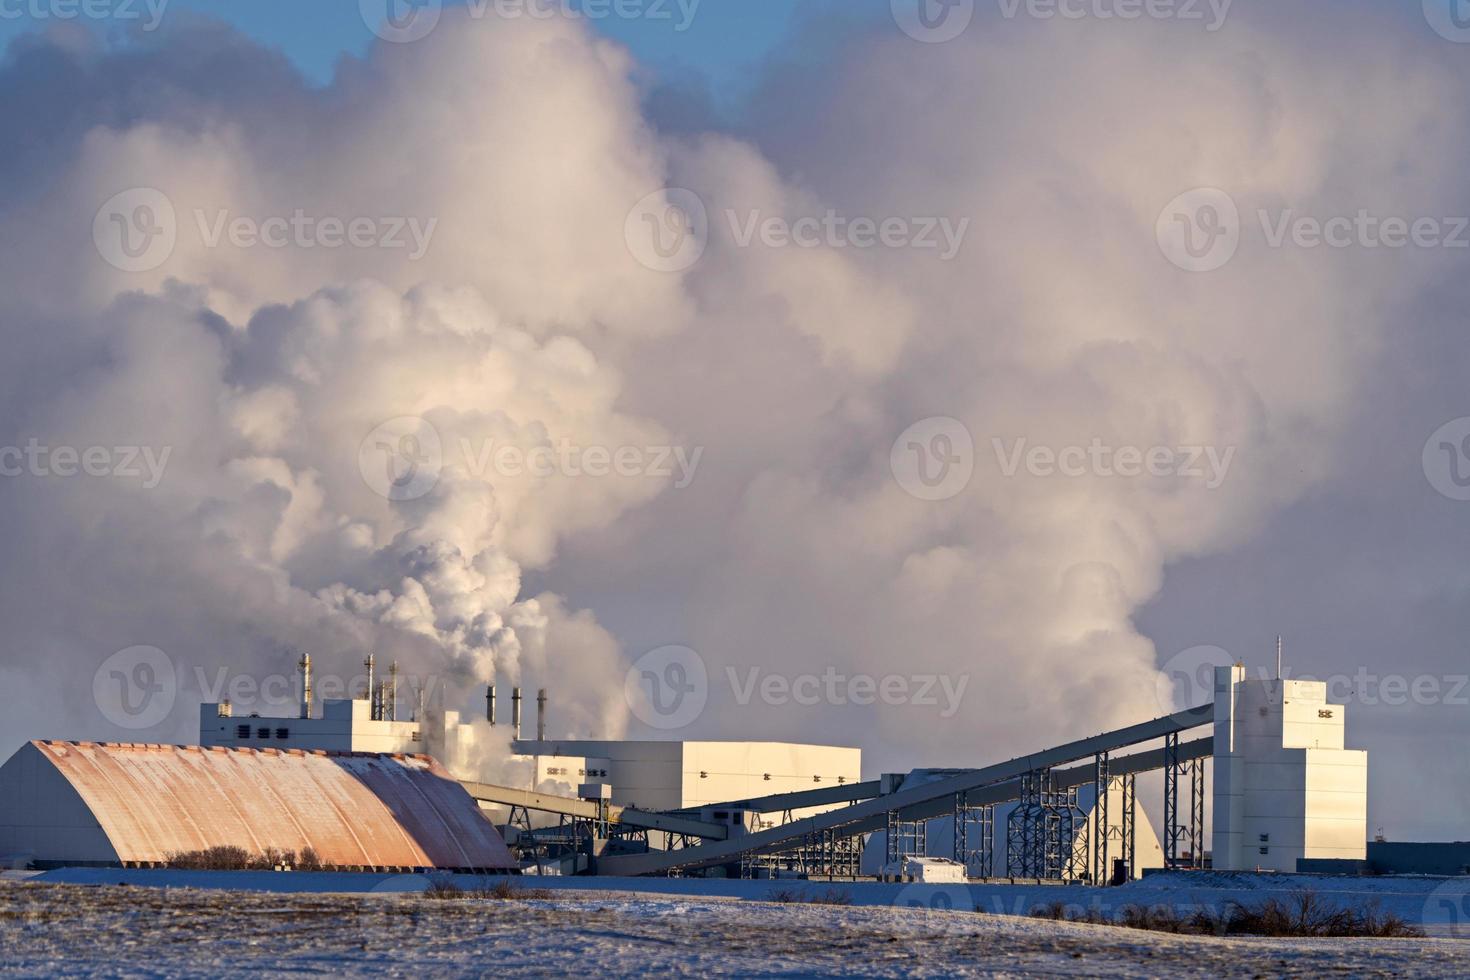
(110, 804)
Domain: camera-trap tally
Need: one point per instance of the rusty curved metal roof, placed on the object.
(351, 808)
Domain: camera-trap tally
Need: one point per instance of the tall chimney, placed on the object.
(515, 712)
(372, 691)
(490, 704)
(305, 665)
(391, 701)
(541, 715)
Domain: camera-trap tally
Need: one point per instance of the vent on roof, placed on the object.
(242, 731)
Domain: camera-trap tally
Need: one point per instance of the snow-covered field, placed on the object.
(112, 930)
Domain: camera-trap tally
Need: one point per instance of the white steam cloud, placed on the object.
(509, 155)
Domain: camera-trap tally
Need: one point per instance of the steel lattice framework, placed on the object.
(1189, 831)
(1046, 834)
(974, 836)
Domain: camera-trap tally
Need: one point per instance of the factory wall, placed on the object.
(678, 775)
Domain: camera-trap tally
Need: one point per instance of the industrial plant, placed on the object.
(361, 788)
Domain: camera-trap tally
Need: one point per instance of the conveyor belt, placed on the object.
(928, 799)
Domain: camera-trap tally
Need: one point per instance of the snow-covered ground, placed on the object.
(132, 931)
(1441, 906)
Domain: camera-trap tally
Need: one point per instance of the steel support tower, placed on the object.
(974, 836)
(1184, 832)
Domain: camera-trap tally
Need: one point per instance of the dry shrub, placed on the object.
(504, 890)
(1304, 915)
(801, 896)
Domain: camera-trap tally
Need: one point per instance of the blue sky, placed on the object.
(725, 39)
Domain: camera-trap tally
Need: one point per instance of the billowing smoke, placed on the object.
(333, 415)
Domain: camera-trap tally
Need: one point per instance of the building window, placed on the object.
(283, 733)
(1265, 850)
(262, 733)
(242, 731)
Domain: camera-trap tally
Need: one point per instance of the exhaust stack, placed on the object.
(372, 690)
(541, 715)
(515, 712)
(305, 665)
(490, 704)
(390, 701)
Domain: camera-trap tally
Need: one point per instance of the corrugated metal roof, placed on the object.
(352, 809)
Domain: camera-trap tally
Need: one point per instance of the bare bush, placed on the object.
(801, 896)
(1304, 915)
(446, 889)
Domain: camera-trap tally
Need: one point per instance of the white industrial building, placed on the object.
(685, 775)
(651, 775)
(1285, 787)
